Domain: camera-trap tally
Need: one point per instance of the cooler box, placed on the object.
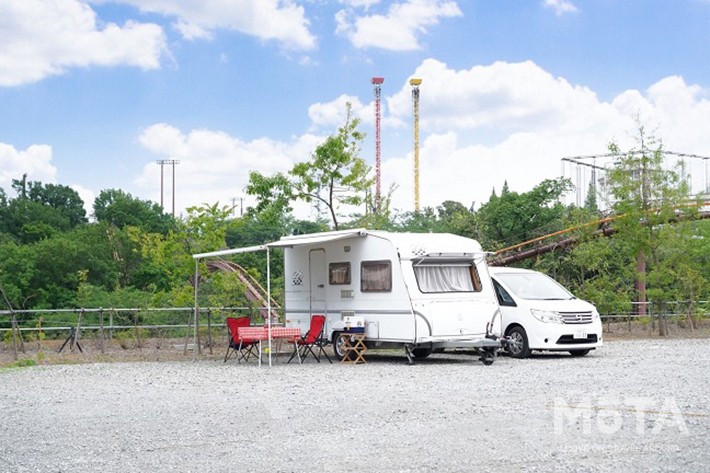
(354, 324)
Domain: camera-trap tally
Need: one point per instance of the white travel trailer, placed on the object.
(420, 291)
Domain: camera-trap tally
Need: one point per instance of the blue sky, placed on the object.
(93, 92)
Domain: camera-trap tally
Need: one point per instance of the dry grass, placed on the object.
(91, 351)
(164, 349)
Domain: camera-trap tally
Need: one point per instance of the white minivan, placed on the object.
(539, 314)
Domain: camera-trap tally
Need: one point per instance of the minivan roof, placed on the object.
(507, 270)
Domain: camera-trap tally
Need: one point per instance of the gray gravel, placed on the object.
(633, 406)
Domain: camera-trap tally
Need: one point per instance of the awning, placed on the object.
(289, 242)
(284, 242)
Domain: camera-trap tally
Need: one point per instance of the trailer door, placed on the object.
(449, 301)
(318, 275)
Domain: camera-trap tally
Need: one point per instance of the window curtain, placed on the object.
(376, 277)
(340, 274)
(444, 278)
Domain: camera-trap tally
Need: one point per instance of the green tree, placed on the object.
(647, 197)
(424, 221)
(335, 176)
(590, 202)
(121, 209)
(62, 198)
(380, 219)
(165, 261)
(206, 227)
(17, 274)
(39, 211)
(512, 217)
(273, 194)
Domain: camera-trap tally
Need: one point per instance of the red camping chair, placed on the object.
(314, 338)
(242, 347)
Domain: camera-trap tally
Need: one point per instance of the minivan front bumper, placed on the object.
(564, 337)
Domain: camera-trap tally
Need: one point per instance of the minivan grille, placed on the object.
(576, 317)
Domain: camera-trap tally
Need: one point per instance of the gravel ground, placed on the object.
(633, 406)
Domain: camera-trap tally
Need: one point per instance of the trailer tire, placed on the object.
(578, 352)
(338, 346)
(421, 353)
(518, 346)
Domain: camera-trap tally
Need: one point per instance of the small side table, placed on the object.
(354, 348)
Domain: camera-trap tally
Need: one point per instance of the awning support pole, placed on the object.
(268, 297)
(194, 336)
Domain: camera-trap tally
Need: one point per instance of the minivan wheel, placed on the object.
(578, 352)
(518, 344)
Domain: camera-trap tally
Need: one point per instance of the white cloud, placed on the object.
(502, 96)
(277, 20)
(515, 122)
(397, 30)
(560, 6)
(35, 161)
(43, 38)
(479, 127)
(213, 166)
(331, 115)
(360, 3)
(87, 196)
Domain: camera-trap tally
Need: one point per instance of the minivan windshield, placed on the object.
(534, 286)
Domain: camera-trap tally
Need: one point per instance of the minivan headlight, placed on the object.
(546, 316)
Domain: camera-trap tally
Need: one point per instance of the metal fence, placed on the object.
(135, 325)
(679, 314)
(126, 325)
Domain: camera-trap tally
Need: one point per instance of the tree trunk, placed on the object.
(641, 284)
(662, 321)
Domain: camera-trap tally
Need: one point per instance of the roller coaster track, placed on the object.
(254, 291)
(542, 245)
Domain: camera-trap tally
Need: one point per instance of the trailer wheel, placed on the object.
(421, 353)
(518, 343)
(488, 356)
(578, 352)
(338, 346)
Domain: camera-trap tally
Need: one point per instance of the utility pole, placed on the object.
(241, 206)
(162, 163)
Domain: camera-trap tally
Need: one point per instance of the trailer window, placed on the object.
(339, 273)
(376, 276)
(448, 278)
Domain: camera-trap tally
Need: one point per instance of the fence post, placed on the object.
(628, 317)
(138, 335)
(690, 316)
(77, 332)
(198, 344)
(39, 333)
(101, 330)
(187, 332)
(13, 327)
(209, 329)
(110, 323)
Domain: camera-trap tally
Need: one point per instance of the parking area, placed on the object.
(635, 405)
